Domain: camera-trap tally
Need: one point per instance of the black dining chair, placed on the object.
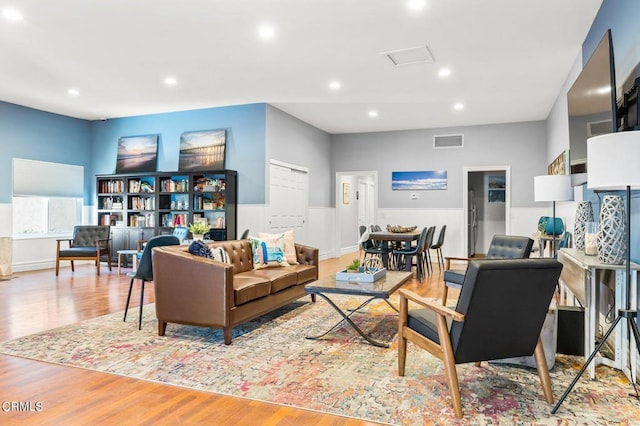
(437, 246)
(369, 247)
(145, 268)
(404, 257)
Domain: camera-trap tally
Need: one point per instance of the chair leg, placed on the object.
(57, 265)
(543, 371)
(445, 292)
(440, 258)
(141, 302)
(72, 267)
(126, 308)
(402, 341)
(98, 266)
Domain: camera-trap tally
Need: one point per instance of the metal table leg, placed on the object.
(346, 317)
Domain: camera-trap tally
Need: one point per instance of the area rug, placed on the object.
(271, 360)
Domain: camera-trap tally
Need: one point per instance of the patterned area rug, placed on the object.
(271, 360)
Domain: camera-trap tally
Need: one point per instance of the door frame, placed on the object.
(465, 199)
(338, 203)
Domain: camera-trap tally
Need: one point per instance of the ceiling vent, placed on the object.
(410, 56)
(595, 128)
(448, 141)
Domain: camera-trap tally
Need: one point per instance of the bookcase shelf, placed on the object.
(139, 206)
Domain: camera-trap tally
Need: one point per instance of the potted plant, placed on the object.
(198, 229)
(354, 266)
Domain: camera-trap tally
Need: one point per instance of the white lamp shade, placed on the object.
(613, 161)
(553, 188)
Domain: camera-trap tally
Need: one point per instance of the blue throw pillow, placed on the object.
(199, 248)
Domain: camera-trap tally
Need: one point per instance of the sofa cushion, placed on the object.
(219, 254)
(289, 244)
(280, 278)
(268, 252)
(305, 273)
(248, 287)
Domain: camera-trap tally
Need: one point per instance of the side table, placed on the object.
(134, 258)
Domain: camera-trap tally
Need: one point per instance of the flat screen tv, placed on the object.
(591, 103)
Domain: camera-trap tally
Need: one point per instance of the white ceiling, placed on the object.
(508, 58)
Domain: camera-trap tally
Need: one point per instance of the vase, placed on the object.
(611, 235)
(584, 214)
(198, 237)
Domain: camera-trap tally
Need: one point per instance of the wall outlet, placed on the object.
(414, 196)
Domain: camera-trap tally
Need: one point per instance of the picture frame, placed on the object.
(559, 166)
(346, 195)
(202, 150)
(137, 154)
(419, 180)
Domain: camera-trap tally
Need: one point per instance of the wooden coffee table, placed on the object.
(380, 289)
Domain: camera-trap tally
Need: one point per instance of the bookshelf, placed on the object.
(139, 206)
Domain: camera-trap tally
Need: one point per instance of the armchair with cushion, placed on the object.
(89, 242)
(501, 247)
(499, 314)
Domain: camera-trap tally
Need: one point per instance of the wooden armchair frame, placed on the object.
(460, 351)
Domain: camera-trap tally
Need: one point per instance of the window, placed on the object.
(47, 197)
(45, 215)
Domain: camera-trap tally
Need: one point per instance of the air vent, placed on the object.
(448, 141)
(412, 55)
(595, 128)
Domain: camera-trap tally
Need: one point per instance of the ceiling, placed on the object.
(508, 59)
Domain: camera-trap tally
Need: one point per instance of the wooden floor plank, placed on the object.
(38, 300)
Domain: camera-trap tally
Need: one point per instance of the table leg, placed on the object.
(347, 318)
(119, 262)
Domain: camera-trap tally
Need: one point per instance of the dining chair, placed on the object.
(404, 257)
(369, 247)
(145, 268)
(438, 247)
(500, 313)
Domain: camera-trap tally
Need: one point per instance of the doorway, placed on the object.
(356, 205)
(487, 206)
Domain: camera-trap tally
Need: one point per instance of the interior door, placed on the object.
(288, 200)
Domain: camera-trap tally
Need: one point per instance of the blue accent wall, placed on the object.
(37, 135)
(622, 17)
(245, 152)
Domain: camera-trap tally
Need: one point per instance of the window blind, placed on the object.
(45, 179)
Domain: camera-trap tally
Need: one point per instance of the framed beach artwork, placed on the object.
(419, 180)
(202, 150)
(137, 154)
(559, 166)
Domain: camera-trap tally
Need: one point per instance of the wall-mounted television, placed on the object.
(591, 103)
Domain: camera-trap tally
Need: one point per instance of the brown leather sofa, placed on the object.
(199, 291)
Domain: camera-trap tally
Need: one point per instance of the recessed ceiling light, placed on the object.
(416, 5)
(444, 72)
(373, 114)
(170, 81)
(335, 85)
(73, 92)
(459, 106)
(12, 15)
(266, 32)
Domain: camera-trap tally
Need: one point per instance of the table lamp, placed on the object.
(553, 188)
(612, 165)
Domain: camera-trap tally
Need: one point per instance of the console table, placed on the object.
(579, 274)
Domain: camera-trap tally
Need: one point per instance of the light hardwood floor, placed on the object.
(35, 301)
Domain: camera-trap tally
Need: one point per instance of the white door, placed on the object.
(365, 202)
(288, 199)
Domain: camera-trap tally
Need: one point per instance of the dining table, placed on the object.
(402, 237)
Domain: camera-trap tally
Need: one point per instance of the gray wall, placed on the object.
(295, 142)
(519, 145)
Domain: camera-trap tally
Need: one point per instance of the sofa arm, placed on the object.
(191, 289)
(306, 255)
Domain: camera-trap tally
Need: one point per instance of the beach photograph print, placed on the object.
(202, 150)
(137, 154)
(419, 180)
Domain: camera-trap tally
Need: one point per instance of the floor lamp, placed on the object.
(612, 165)
(553, 188)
